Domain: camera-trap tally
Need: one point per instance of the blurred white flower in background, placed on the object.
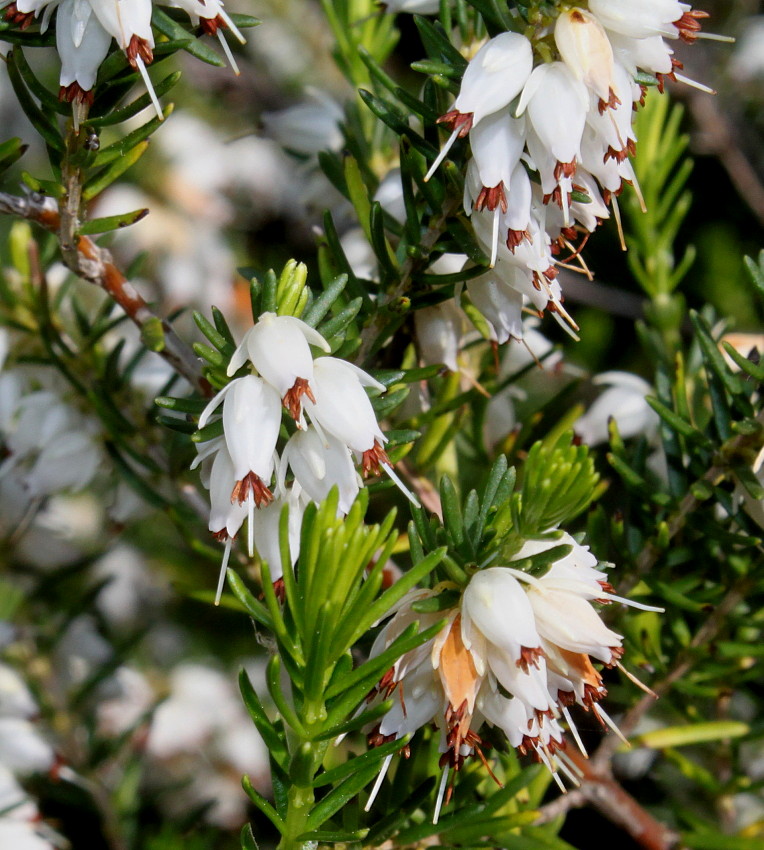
(747, 61)
(202, 733)
(624, 402)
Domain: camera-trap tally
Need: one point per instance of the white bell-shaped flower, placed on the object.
(439, 333)
(561, 601)
(82, 44)
(495, 608)
(279, 348)
(320, 463)
(67, 464)
(491, 81)
(343, 409)
(127, 21)
(251, 422)
(16, 699)
(226, 516)
(308, 127)
(267, 531)
(213, 19)
(586, 50)
(650, 54)
(640, 18)
(500, 304)
(614, 125)
(557, 104)
(497, 144)
(22, 749)
(622, 401)
(495, 76)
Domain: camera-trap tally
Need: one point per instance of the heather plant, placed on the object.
(481, 529)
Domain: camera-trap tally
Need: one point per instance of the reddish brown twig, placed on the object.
(94, 264)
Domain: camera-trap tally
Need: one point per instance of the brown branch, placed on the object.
(600, 789)
(603, 793)
(95, 265)
(718, 137)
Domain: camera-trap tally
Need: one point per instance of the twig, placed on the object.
(718, 137)
(601, 791)
(95, 265)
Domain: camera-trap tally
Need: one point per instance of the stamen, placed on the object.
(140, 65)
(568, 330)
(574, 731)
(548, 765)
(611, 597)
(223, 569)
(495, 238)
(442, 155)
(572, 766)
(713, 36)
(601, 713)
(228, 53)
(618, 222)
(401, 486)
(617, 130)
(567, 771)
(680, 78)
(251, 524)
(564, 204)
(378, 783)
(80, 110)
(638, 191)
(577, 254)
(441, 793)
(632, 678)
(565, 315)
(232, 26)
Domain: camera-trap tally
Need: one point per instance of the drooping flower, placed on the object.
(572, 126)
(85, 28)
(493, 78)
(439, 334)
(82, 44)
(320, 463)
(586, 50)
(279, 348)
(251, 422)
(343, 409)
(266, 530)
(624, 402)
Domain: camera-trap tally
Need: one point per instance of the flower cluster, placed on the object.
(335, 428)
(85, 29)
(551, 144)
(517, 652)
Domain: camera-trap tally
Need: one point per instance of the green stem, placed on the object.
(299, 806)
(307, 757)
